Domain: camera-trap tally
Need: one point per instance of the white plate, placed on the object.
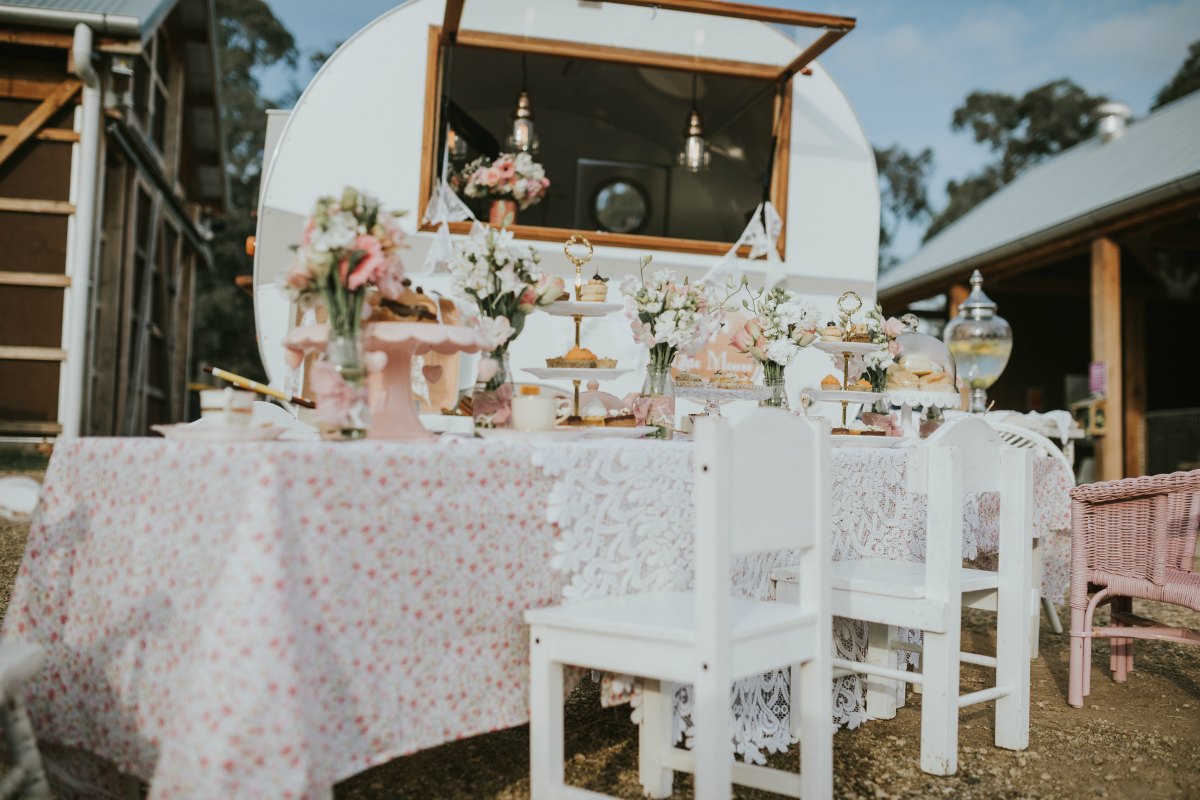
(841, 396)
(560, 434)
(578, 308)
(844, 440)
(853, 348)
(185, 432)
(577, 373)
(615, 432)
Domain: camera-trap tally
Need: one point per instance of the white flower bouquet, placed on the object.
(669, 315)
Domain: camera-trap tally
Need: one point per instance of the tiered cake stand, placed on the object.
(846, 350)
(909, 399)
(393, 410)
(578, 310)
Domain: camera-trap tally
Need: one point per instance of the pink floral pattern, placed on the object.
(263, 620)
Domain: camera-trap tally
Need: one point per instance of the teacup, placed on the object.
(534, 413)
(227, 407)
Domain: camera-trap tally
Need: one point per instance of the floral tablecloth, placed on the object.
(262, 620)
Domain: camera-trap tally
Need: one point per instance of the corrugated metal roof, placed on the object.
(147, 13)
(1156, 157)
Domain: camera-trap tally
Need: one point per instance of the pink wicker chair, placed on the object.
(1130, 538)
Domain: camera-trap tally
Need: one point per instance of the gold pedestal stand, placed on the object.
(578, 261)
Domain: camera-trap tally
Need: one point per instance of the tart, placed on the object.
(859, 332)
(685, 378)
(841, 431)
(580, 357)
(873, 430)
(830, 383)
(410, 305)
(594, 291)
(832, 333)
(861, 385)
(725, 379)
(620, 419)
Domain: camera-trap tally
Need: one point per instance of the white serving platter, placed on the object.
(841, 396)
(853, 348)
(615, 432)
(714, 394)
(577, 373)
(578, 308)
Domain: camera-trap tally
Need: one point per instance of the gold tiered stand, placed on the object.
(577, 310)
(846, 350)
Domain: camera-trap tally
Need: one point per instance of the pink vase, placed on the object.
(502, 213)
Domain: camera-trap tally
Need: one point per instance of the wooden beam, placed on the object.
(28, 206)
(1106, 350)
(619, 55)
(14, 353)
(63, 41)
(1134, 384)
(810, 53)
(717, 8)
(37, 118)
(45, 134)
(452, 19)
(635, 240)
(29, 428)
(431, 122)
(782, 162)
(34, 279)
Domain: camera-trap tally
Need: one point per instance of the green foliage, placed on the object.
(1021, 131)
(1185, 80)
(251, 39)
(903, 177)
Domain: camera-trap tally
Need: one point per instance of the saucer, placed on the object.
(190, 432)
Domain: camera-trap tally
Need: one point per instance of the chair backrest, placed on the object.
(1018, 436)
(762, 483)
(978, 454)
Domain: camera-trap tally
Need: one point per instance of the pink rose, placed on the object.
(528, 299)
(893, 327)
(894, 348)
(742, 339)
(505, 168)
(309, 227)
(488, 367)
(298, 276)
(492, 176)
(367, 268)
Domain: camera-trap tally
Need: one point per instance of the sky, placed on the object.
(908, 64)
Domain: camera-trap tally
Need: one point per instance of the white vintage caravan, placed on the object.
(611, 86)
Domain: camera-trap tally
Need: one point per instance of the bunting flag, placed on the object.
(444, 207)
(761, 235)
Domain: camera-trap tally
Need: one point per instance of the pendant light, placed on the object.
(523, 138)
(694, 155)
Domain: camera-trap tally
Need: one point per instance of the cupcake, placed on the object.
(830, 383)
(595, 290)
(832, 333)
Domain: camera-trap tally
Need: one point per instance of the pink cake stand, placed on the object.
(393, 412)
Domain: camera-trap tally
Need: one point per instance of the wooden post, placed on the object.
(1134, 383)
(956, 295)
(1106, 349)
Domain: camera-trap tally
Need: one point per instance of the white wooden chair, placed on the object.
(704, 637)
(960, 457)
(1020, 436)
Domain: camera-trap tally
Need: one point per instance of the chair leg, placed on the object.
(1012, 666)
(1080, 663)
(545, 721)
(1052, 615)
(881, 692)
(816, 737)
(1035, 611)
(23, 751)
(654, 737)
(939, 702)
(1116, 659)
(712, 750)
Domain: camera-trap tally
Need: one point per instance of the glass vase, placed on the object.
(347, 408)
(773, 380)
(658, 391)
(491, 402)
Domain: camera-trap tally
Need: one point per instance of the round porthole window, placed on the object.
(620, 206)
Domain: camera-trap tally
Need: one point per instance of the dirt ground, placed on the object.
(1140, 739)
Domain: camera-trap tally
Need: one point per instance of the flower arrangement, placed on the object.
(668, 315)
(874, 365)
(348, 244)
(509, 177)
(782, 325)
(503, 280)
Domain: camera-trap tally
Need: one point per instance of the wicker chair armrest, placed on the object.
(1133, 488)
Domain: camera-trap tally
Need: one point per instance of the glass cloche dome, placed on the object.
(981, 341)
(924, 357)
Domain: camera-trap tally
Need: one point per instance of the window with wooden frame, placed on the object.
(610, 123)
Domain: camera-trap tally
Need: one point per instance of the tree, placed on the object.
(1021, 131)
(251, 39)
(1185, 80)
(903, 177)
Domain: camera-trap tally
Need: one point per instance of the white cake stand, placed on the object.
(908, 399)
(846, 398)
(714, 397)
(393, 412)
(846, 350)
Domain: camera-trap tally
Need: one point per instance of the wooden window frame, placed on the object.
(641, 58)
